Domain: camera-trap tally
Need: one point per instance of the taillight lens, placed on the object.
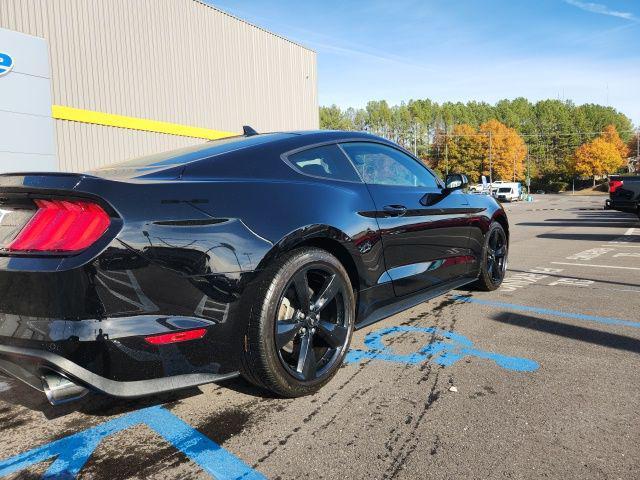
(614, 185)
(62, 226)
(176, 337)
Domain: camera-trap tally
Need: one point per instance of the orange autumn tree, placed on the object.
(463, 152)
(610, 134)
(601, 156)
(507, 148)
(466, 150)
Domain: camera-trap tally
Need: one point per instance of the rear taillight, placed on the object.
(614, 185)
(62, 226)
(176, 337)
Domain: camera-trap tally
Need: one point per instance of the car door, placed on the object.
(425, 229)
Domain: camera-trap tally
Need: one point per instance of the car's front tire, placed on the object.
(493, 265)
(300, 323)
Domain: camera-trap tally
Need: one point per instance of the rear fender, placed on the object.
(318, 235)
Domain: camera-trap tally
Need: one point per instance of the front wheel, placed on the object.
(494, 259)
(300, 324)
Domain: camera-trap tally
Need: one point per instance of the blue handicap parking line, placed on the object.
(547, 311)
(71, 453)
(449, 348)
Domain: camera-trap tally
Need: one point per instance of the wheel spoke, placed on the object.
(301, 285)
(307, 358)
(490, 266)
(328, 292)
(286, 330)
(334, 335)
(501, 251)
(493, 240)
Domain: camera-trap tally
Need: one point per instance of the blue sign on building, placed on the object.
(6, 64)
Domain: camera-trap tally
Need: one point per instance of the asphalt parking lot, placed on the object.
(538, 379)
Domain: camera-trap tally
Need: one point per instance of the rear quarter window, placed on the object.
(326, 161)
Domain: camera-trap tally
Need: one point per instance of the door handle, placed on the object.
(394, 210)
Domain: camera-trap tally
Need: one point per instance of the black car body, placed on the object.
(624, 193)
(190, 233)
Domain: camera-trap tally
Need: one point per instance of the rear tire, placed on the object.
(301, 321)
(494, 259)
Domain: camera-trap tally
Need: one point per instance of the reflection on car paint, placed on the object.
(211, 309)
(404, 271)
(127, 280)
(451, 348)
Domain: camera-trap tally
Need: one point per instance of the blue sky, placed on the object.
(461, 50)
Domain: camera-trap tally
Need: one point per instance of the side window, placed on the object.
(382, 165)
(327, 161)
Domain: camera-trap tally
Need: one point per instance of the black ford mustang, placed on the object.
(256, 254)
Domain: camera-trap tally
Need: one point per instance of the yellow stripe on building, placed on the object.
(108, 119)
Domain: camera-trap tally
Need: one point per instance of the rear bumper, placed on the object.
(34, 362)
(90, 325)
(111, 355)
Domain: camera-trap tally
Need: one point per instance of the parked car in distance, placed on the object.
(624, 193)
(257, 254)
(479, 189)
(508, 191)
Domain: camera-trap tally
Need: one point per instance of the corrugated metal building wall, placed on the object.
(176, 61)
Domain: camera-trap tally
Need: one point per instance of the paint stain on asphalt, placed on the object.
(133, 454)
(119, 458)
(12, 418)
(33, 474)
(486, 390)
(436, 446)
(224, 425)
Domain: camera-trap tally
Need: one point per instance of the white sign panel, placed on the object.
(27, 138)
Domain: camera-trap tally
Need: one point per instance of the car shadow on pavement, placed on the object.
(240, 385)
(613, 221)
(594, 237)
(583, 334)
(580, 223)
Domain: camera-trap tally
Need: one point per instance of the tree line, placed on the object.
(550, 141)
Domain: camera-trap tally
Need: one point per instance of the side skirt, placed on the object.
(404, 303)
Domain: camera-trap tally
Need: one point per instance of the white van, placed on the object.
(507, 191)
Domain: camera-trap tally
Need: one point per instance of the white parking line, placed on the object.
(590, 254)
(592, 265)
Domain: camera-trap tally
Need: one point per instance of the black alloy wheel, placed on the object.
(311, 326)
(493, 265)
(301, 318)
(496, 261)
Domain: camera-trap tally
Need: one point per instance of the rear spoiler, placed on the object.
(41, 180)
(53, 185)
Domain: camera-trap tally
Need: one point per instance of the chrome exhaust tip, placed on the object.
(59, 389)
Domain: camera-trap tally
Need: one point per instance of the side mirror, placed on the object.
(456, 181)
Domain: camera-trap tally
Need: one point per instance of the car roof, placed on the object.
(332, 135)
(279, 141)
